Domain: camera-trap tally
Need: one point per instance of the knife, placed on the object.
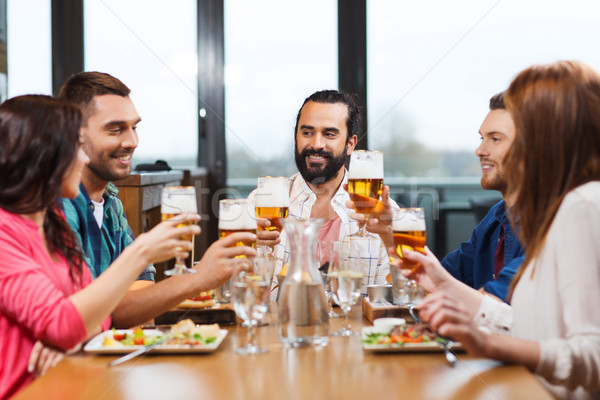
(141, 350)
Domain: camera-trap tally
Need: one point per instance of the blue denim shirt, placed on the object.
(473, 262)
(101, 246)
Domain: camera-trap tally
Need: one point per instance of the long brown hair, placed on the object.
(556, 111)
(39, 139)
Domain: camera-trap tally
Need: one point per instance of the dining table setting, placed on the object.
(275, 333)
(346, 367)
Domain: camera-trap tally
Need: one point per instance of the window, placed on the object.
(276, 55)
(433, 66)
(151, 46)
(29, 50)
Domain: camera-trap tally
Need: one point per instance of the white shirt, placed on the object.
(98, 212)
(371, 251)
(556, 300)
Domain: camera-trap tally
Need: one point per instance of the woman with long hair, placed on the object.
(552, 325)
(46, 290)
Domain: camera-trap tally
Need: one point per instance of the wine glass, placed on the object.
(408, 225)
(235, 215)
(365, 183)
(328, 253)
(345, 282)
(250, 297)
(179, 202)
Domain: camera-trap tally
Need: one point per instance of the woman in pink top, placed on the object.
(46, 291)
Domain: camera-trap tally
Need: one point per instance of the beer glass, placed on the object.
(408, 225)
(235, 215)
(272, 200)
(365, 183)
(178, 202)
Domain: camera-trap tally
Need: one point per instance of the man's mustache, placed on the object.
(313, 152)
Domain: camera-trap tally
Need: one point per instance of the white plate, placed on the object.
(403, 347)
(95, 346)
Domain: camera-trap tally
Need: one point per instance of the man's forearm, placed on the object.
(141, 305)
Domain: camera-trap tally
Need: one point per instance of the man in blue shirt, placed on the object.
(489, 260)
(493, 254)
(109, 137)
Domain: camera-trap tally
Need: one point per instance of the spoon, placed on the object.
(446, 343)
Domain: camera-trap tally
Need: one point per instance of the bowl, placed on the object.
(386, 324)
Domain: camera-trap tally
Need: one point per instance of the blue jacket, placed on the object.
(473, 262)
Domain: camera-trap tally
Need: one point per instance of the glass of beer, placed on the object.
(408, 225)
(235, 215)
(179, 202)
(272, 201)
(365, 183)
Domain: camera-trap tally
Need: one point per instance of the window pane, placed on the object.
(29, 50)
(432, 67)
(276, 54)
(151, 46)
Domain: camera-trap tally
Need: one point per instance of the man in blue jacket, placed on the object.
(493, 254)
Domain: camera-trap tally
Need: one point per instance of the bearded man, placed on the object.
(326, 132)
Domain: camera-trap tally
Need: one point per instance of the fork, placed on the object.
(446, 343)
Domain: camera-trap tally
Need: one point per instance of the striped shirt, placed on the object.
(369, 252)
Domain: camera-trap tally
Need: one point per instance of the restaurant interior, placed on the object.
(221, 81)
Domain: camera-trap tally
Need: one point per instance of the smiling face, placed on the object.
(110, 136)
(322, 144)
(497, 134)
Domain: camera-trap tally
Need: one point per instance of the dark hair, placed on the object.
(556, 110)
(39, 140)
(497, 101)
(81, 89)
(333, 97)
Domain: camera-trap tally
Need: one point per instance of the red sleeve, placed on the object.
(106, 324)
(30, 298)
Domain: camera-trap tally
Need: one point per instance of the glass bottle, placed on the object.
(303, 311)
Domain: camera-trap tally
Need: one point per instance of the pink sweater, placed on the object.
(34, 303)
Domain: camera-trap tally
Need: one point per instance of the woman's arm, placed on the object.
(101, 297)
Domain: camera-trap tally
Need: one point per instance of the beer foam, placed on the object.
(236, 215)
(366, 165)
(178, 201)
(272, 192)
(407, 222)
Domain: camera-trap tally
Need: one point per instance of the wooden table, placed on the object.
(342, 370)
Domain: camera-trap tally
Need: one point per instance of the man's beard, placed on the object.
(316, 175)
(101, 166)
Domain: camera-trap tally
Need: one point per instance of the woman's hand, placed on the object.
(42, 358)
(430, 274)
(451, 317)
(164, 241)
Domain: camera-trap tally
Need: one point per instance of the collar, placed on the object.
(305, 193)
(110, 193)
(302, 198)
